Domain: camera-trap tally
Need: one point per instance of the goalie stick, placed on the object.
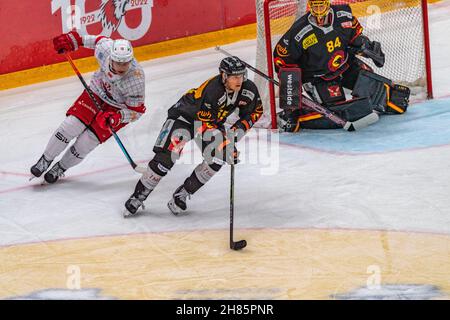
(346, 125)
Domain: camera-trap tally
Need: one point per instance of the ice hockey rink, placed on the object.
(326, 214)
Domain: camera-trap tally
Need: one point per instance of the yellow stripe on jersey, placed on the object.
(198, 92)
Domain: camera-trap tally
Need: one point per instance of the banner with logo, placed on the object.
(28, 26)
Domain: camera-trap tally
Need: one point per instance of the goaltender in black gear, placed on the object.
(324, 44)
(200, 114)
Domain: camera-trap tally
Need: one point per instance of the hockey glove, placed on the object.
(67, 42)
(373, 51)
(369, 49)
(108, 119)
(231, 156)
(226, 153)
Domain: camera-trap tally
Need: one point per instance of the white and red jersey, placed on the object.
(125, 92)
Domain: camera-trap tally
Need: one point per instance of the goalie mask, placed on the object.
(319, 8)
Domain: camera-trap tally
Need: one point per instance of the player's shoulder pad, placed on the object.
(136, 71)
(343, 11)
(214, 84)
(100, 39)
(249, 90)
(300, 28)
(212, 89)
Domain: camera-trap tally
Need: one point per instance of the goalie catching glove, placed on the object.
(369, 49)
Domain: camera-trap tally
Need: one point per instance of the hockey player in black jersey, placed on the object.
(324, 44)
(200, 114)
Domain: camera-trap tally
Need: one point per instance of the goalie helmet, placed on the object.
(319, 8)
(121, 51)
(233, 66)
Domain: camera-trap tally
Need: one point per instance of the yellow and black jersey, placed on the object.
(319, 51)
(211, 104)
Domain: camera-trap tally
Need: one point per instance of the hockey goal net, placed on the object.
(401, 26)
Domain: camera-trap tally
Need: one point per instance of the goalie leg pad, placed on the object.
(386, 97)
(397, 99)
(353, 110)
(372, 85)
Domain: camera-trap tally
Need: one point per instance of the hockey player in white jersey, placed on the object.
(118, 86)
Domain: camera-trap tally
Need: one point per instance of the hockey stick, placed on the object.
(241, 244)
(99, 108)
(346, 125)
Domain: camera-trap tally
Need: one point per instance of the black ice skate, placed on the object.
(178, 202)
(136, 200)
(54, 173)
(40, 167)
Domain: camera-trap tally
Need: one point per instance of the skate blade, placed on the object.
(127, 214)
(174, 208)
(41, 183)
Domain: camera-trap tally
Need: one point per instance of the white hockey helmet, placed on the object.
(121, 51)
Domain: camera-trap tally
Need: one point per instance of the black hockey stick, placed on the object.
(99, 108)
(241, 244)
(346, 125)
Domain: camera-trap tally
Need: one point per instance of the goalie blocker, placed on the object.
(371, 92)
(290, 88)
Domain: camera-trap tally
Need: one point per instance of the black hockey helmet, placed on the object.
(233, 66)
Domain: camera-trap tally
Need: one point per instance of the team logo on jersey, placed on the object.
(222, 99)
(138, 73)
(248, 94)
(258, 112)
(279, 62)
(204, 115)
(282, 51)
(109, 14)
(303, 32)
(341, 14)
(106, 86)
(347, 25)
(310, 41)
(334, 91)
(336, 60)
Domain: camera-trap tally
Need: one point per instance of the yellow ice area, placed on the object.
(276, 264)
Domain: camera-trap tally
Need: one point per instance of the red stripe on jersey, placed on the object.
(99, 38)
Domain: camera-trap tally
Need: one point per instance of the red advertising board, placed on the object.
(28, 25)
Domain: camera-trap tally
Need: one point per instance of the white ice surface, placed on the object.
(374, 179)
